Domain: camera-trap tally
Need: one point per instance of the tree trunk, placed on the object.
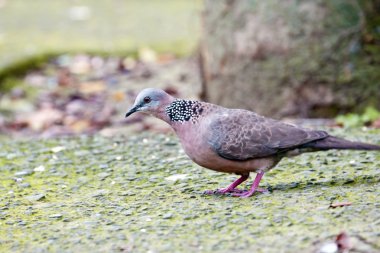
(290, 57)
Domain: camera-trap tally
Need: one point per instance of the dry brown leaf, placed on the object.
(343, 242)
(340, 204)
(44, 118)
(80, 126)
(118, 96)
(89, 88)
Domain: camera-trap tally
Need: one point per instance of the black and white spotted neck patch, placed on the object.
(184, 110)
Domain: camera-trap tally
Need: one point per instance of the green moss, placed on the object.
(108, 195)
(355, 120)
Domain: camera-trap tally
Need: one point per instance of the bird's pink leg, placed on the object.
(254, 187)
(231, 187)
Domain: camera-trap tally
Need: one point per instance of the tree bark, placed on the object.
(290, 57)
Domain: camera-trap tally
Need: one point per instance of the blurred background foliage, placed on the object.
(369, 115)
(69, 67)
(72, 67)
(33, 31)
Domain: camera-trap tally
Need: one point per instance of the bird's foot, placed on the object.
(246, 194)
(235, 192)
(209, 192)
(262, 190)
(223, 191)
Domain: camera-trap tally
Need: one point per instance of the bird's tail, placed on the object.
(332, 142)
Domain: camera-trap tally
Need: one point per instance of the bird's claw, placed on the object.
(223, 191)
(209, 192)
(262, 190)
(247, 194)
(235, 192)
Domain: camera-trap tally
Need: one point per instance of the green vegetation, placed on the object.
(356, 120)
(32, 31)
(93, 194)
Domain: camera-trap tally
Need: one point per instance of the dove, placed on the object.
(235, 140)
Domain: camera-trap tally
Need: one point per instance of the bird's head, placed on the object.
(151, 101)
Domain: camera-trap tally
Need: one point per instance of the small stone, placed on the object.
(100, 193)
(23, 173)
(24, 185)
(167, 216)
(103, 175)
(56, 216)
(39, 168)
(35, 197)
(115, 228)
(176, 177)
(329, 248)
(58, 149)
(103, 166)
(30, 212)
(11, 156)
(121, 237)
(22, 223)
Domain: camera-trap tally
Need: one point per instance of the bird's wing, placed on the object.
(242, 135)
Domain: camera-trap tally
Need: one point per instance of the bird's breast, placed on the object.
(193, 141)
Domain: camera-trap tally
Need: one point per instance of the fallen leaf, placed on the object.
(80, 126)
(343, 241)
(165, 58)
(376, 123)
(64, 77)
(89, 88)
(80, 64)
(118, 96)
(147, 55)
(340, 204)
(43, 118)
(129, 63)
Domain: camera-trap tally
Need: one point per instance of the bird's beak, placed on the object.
(132, 110)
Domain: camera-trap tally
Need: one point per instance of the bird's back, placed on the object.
(238, 134)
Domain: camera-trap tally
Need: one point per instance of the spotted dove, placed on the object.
(235, 140)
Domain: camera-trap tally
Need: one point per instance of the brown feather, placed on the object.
(242, 135)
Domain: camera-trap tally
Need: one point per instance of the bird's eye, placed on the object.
(147, 100)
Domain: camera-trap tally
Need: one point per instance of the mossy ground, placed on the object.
(101, 194)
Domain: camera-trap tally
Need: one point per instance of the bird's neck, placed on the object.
(182, 111)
